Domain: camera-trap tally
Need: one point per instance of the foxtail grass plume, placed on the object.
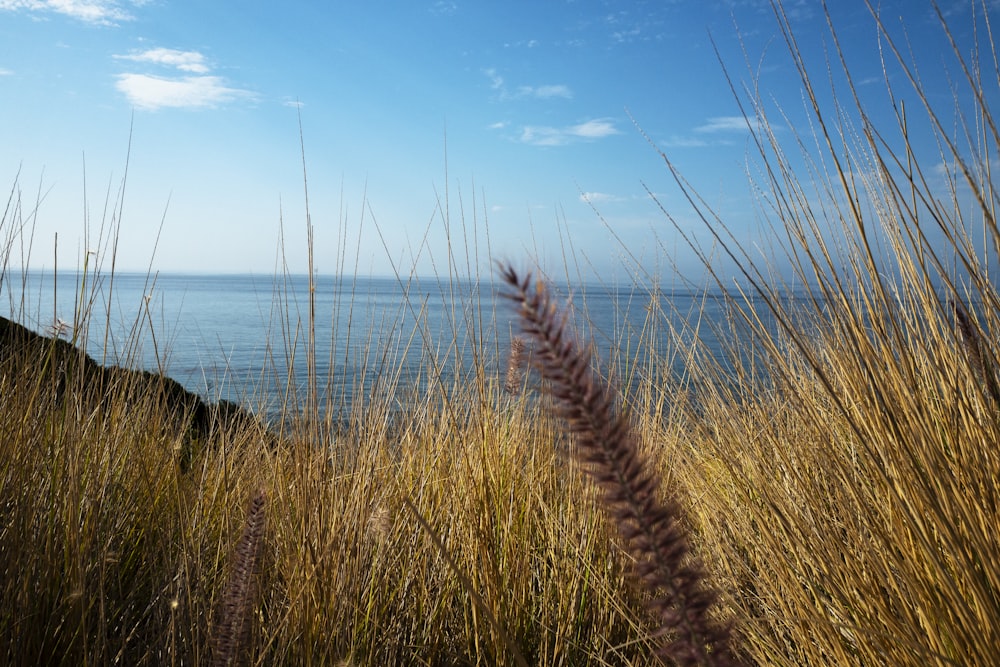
(653, 529)
(230, 638)
(515, 367)
(976, 349)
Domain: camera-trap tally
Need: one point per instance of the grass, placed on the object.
(827, 491)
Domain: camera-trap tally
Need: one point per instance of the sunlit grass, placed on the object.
(836, 471)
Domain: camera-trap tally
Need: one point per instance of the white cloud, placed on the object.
(726, 124)
(499, 125)
(5, 72)
(594, 129)
(677, 141)
(545, 92)
(186, 61)
(722, 127)
(496, 81)
(952, 169)
(100, 12)
(540, 135)
(197, 89)
(154, 92)
(543, 136)
(626, 35)
(521, 43)
(445, 7)
(598, 197)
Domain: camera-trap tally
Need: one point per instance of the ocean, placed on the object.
(245, 338)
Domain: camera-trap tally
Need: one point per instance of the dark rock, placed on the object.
(58, 366)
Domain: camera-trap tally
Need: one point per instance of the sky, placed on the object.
(521, 131)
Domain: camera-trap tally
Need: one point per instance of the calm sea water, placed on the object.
(245, 337)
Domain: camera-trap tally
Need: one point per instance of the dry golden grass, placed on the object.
(836, 477)
(847, 499)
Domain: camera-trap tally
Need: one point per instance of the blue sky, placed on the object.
(517, 117)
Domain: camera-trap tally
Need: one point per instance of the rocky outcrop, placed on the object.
(59, 367)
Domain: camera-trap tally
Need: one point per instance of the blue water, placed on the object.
(245, 338)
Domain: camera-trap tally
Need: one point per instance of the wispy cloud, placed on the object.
(634, 25)
(726, 124)
(678, 141)
(951, 169)
(521, 43)
(715, 131)
(543, 135)
(599, 197)
(594, 129)
(545, 92)
(157, 92)
(197, 89)
(99, 12)
(444, 7)
(496, 81)
(628, 35)
(5, 72)
(186, 61)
